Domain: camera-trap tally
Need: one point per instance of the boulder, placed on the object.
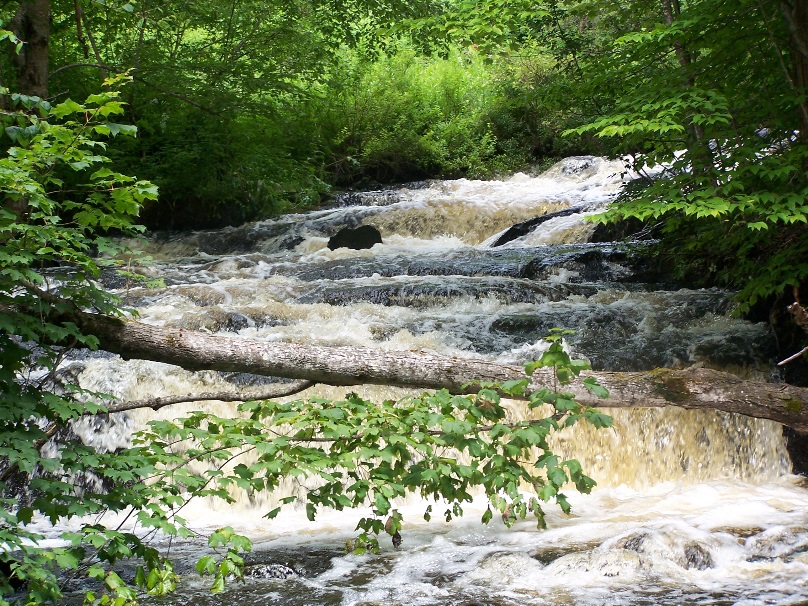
(364, 236)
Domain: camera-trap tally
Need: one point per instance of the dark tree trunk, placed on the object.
(795, 13)
(703, 156)
(31, 24)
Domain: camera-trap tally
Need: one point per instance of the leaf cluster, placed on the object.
(706, 112)
(353, 453)
(339, 454)
(61, 207)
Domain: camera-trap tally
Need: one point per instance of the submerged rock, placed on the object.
(505, 567)
(668, 546)
(698, 557)
(606, 563)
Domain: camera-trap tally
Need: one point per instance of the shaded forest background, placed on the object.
(247, 109)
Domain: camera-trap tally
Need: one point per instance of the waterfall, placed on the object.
(690, 506)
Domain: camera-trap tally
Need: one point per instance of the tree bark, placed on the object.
(688, 388)
(795, 13)
(31, 24)
(81, 17)
(696, 140)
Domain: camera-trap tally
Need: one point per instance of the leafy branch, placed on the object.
(352, 453)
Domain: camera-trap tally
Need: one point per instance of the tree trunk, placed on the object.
(795, 13)
(689, 388)
(31, 24)
(696, 140)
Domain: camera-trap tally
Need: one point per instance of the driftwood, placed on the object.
(687, 388)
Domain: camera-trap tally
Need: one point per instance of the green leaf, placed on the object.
(117, 129)
(66, 108)
(595, 388)
(25, 514)
(515, 387)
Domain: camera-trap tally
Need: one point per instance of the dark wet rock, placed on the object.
(364, 236)
(369, 198)
(114, 280)
(243, 379)
(213, 319)
(235, 322)
(216, 319)
(776, 543)
(582, 262)
(743, 533)
(303, 561)
(230, 240)
(525, 227)
(289, 242)
(428, 293)
(668, 328)
(228, 264)
(548, 555)
(575, 165)
(589, 265)
(727, 349)
(6, 572)
(797, 445)
(698, 557)
(634, 542)
(270, 571)
(378, 196)
(566, 167)
(626, 230)
(693, 554)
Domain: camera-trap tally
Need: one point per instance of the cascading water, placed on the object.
(691, 507)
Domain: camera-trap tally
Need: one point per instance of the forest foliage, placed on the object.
(247, 109)
(243, 109)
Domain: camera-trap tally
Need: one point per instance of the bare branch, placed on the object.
(275, 391)
(794, 357)
(81, 15)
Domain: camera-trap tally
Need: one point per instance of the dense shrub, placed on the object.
(405, 117)
(221, 169)
(370, 119)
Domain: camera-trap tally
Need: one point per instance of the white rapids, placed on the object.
(690, 508)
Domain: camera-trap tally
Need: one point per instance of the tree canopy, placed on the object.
(710, 107)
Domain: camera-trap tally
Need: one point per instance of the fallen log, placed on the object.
(687, 388)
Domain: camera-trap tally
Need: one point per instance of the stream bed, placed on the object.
(691, 507)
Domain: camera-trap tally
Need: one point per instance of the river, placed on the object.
(691, 507)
